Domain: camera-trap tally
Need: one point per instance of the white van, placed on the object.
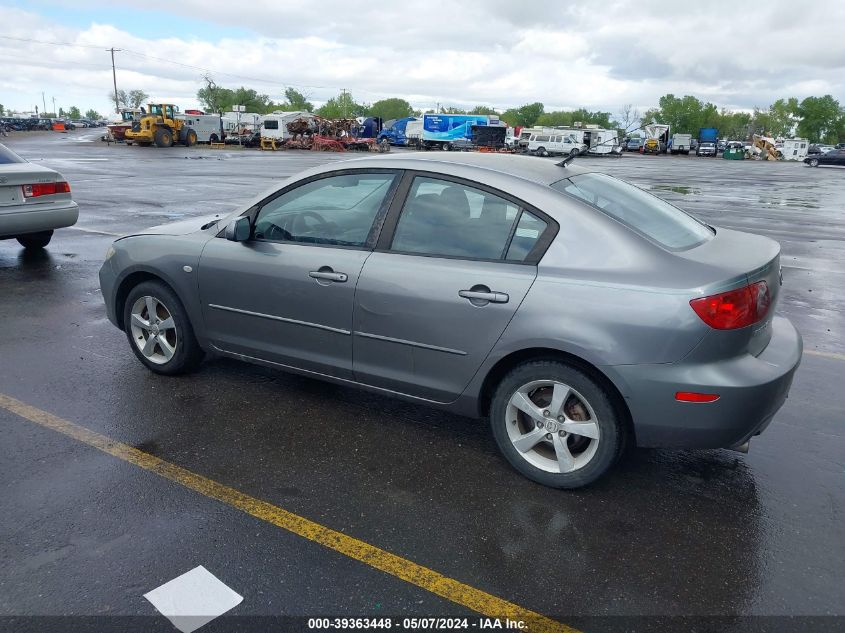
(551, 144)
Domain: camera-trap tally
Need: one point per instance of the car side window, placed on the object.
(338, 210)
(449, 219)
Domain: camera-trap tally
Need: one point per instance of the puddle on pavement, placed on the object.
(683, 190)
(788, 202)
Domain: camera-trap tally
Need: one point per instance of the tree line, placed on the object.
(819, 119)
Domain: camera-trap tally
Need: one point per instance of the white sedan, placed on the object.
(34, 201)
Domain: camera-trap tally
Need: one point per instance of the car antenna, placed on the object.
(572, 157)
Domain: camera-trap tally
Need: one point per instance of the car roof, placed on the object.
(532, 169)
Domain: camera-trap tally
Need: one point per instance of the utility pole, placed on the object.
(43, 102)
(54, 107)
(343, 98)
(114, 78)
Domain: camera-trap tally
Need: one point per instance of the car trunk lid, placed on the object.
(14, 175)
(734, 260)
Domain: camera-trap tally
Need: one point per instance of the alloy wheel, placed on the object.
(153, 329)
(552, 426)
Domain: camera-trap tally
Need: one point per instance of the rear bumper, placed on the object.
(751, 390)
(44, 218)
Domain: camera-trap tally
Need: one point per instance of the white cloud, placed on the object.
(471, 52)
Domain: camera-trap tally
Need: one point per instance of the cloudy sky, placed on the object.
(502, 53)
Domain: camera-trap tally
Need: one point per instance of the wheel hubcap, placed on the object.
(552, 426)
(153, 329)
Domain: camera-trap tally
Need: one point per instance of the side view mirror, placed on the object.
(238, 230)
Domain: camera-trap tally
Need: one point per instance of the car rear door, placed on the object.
(286, 294)
(454, 262)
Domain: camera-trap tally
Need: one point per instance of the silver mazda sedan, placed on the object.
(578, 312)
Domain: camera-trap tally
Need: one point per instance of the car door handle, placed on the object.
(492, 297)
(330, 276)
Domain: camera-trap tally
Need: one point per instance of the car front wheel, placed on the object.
(555, 424)
(814, 162)
(159, 330)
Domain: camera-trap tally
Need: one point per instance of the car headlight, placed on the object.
(110, 253)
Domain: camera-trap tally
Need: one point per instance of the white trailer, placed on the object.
(601, 141)
(247, 123)
(794, 149)
(275, 125)
(414, 133)
(681, 143)
(209, 127)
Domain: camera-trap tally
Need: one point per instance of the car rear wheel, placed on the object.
(159, 330)
(555, 424)
(541, 151)
(35, 240)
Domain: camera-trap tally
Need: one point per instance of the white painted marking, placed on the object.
(832, 355)
(79, 228)
(193, 599)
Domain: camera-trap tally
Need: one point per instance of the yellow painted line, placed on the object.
(832, 355)
(455, 591)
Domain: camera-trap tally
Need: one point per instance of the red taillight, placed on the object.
(735, 308)
(45, 189)
(692, 396)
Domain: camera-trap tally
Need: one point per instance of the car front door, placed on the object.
(442, 286)
(286, 294)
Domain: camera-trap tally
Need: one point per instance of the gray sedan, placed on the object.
(34, 201)
(580, 314)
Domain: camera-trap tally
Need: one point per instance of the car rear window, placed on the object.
(8, 156)
(646, 214)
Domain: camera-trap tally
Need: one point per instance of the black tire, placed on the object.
(35, 240)
(128, 142)
(163, 137)
(213, 139)
(574, 152)
(190, 138)
(814, 162)
(541, 151)
(612, 430)
(188, 353)
(446, 147)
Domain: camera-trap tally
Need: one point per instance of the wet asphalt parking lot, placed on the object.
(667, 533)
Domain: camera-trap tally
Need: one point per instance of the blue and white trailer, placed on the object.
(452, 131)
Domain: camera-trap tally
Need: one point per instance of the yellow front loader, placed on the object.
(161, 126)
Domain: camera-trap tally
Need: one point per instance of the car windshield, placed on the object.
(648, 215)
(7, 156)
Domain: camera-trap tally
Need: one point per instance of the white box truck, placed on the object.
(209, 127)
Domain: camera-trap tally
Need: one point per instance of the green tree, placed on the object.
(74, 113)
(482, 109)
(2, 110)
(252, 100)
(342, 106)
(295, 101)
(214, 98)
(821, 119)
(525, 115)
(391, 109)
(122, 99)
(136, 98)
(92, 114)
